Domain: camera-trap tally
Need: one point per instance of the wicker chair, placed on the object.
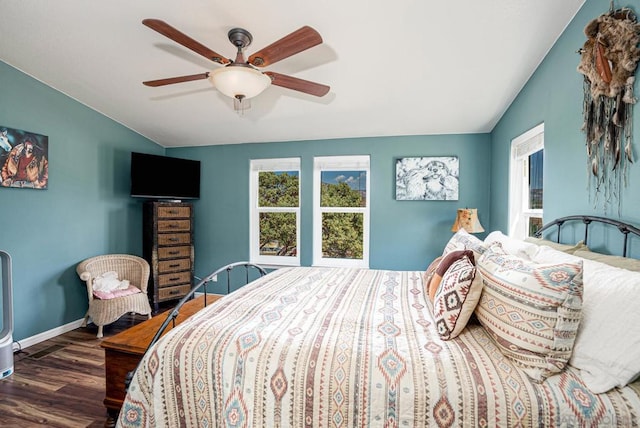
(129, 267)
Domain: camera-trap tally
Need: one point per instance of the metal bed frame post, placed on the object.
(171, 318)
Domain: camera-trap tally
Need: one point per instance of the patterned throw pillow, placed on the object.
(531, 310)
(443, 266)
(463, 240)
(456, 298)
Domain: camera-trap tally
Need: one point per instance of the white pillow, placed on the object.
(607, 347)
(580, 245)
(546, 254)
(513, 246)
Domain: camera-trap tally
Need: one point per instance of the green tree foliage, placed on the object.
(340, 195)
(278, 189)
(342, 233)
(279, 229)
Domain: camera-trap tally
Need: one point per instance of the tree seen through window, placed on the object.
(278, 229)
(343, 232)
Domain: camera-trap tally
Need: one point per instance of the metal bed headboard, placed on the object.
(624, 228)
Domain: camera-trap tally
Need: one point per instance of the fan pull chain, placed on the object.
(241, 104)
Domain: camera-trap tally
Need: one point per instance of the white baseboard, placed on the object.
(199, 293)
(45, 335)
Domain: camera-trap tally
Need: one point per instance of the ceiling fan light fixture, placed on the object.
(239, 81)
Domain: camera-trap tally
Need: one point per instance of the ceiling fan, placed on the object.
(240, 79)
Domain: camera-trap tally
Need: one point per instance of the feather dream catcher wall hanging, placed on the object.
(608, 62)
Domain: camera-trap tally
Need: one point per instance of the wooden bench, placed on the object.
(123, 351)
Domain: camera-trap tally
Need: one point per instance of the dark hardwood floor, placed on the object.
(60, 382)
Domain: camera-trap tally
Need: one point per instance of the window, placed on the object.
(275, 211)
(341, 211)
(526, 183)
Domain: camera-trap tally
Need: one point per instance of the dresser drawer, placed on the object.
(174, 238)
(174, 265)
(168, 247)
(174, 225)
(174, 252)
(174, 212)
(170, 279)
(169, 293)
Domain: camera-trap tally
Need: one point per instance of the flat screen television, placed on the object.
(164, 177)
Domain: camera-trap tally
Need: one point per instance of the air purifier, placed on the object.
(6, 333)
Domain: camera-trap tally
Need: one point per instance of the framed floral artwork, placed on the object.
(427, 178)
(23, 159)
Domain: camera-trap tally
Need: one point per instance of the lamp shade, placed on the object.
(239, 81)
(467, 219)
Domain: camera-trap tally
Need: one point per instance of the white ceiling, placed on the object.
(408, 67)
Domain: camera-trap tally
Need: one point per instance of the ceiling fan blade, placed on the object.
(179, 79)
(291, 44)
(296, 84)
(186, 41)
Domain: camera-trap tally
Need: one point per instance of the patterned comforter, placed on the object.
(339, 347)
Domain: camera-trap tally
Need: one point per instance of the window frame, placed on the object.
(340, 163)
(266, 165)
(520, 214)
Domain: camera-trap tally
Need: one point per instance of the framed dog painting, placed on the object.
(23, 159)
(427, 179)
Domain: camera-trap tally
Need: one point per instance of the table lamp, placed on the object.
(467, 219)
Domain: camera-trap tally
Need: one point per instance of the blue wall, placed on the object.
(404, 234)
(553, 95)
(85, 211)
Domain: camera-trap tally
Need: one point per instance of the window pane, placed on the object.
(535, 224)
(342, 235)
(343, 189)
(278, 234)
(278, 188)
(535, 180)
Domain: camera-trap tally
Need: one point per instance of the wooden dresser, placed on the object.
(168, 247)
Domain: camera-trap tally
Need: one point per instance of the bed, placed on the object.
(343, 347)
